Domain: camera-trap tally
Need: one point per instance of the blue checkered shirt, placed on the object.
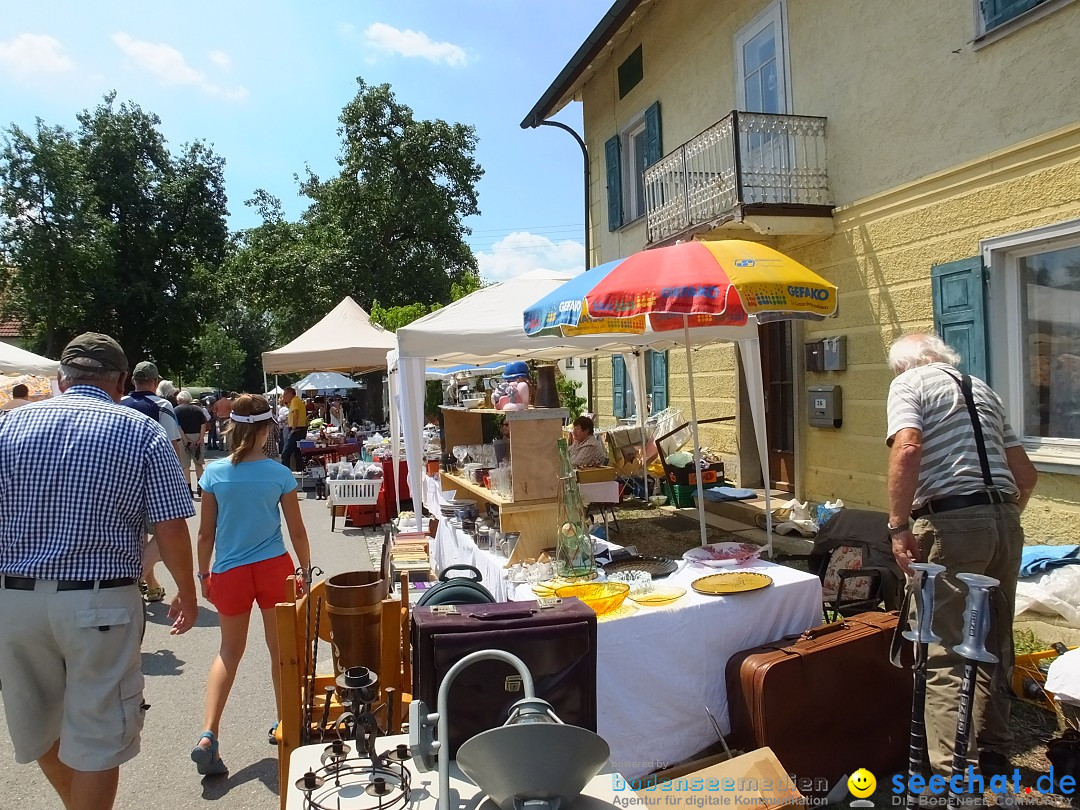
(79, 475)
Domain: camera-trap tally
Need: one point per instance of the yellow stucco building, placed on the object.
(923, 156)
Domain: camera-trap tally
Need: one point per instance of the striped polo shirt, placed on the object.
(928, 399)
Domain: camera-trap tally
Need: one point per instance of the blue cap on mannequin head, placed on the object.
(518, 368)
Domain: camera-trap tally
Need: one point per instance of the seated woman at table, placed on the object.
(586, 450)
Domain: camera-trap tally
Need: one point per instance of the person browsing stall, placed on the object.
(965, 486)
(71, 531)
(244, 499)
(298, 421)
(586, 450)
(19, 394)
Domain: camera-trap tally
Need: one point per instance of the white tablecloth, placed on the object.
(659, 667)
(452, 547)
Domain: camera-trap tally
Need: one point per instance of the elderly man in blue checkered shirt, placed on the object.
(79, 475)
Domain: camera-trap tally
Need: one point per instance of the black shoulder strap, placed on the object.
(965, 388)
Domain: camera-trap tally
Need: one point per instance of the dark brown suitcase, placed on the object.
(827, 702)
(557, 644)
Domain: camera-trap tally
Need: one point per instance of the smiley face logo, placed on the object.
(862, 783)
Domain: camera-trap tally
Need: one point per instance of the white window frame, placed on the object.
(775, 14)
(569, 362)
(984, 37)
(630, 170)
(1000, 256)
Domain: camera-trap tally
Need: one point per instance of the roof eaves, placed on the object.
(618, 14)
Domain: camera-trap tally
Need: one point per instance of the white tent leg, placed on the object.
(635, 361)
(750, 351)
(697, 439)
(395, 449)
(411, 385)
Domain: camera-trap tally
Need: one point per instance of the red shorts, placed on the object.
(233, 591)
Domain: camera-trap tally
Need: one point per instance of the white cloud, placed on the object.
(387, 39)
(34, 55)
(221, 59)
(522, 251)
(168, 65)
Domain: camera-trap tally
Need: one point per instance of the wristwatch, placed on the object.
(895, 530)
(201, 576)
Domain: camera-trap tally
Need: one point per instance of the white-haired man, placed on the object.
(956, 466)
(71, 529)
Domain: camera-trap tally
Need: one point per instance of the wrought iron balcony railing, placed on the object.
(773, 163)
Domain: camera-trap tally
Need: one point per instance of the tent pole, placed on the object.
(697, 439)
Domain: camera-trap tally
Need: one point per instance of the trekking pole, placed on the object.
(308, 575)
(922, 634)
(973, 649)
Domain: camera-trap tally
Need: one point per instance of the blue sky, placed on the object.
(264, 83)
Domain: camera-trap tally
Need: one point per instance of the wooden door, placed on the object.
(778, 383)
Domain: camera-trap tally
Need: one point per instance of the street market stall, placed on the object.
(344, 340)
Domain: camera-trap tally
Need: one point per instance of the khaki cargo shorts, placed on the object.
(71, 670)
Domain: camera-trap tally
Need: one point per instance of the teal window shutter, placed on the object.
(653, 145)
(996, 12)
(614, 184)
(618, 386)
(959, 292)
(658, 383)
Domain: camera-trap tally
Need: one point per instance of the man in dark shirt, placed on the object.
(193, 427)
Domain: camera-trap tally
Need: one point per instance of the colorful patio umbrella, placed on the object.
(686, 286)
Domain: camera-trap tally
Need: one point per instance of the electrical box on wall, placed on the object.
(825, 406)
(835, 353)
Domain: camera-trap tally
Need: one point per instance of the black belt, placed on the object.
(948, 504)
(29, 583)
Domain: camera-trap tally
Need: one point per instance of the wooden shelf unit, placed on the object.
(534, 508)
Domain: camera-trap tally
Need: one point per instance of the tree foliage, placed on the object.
(104, 229)
(386, 228)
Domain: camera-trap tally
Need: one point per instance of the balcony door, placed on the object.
(763, 87)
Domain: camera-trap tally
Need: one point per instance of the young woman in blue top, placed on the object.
(244, 498)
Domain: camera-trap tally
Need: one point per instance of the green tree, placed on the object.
(104, 229)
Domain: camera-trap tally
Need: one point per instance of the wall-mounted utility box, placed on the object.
(835, 349)
(815, 355)
(825, 406)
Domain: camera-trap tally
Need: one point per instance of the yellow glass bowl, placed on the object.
(602, 597)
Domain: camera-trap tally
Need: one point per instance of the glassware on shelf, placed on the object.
(461, 452)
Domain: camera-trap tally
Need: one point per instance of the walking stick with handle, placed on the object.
(973, 649)
(922, 634)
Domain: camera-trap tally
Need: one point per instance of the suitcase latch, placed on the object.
(444, 609)
(547, 602)
(512, 683)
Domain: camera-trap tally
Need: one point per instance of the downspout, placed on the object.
(585, 174)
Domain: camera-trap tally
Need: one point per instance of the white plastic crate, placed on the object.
(354, 493)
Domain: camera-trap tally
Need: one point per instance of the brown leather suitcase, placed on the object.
(557, 644)
(827, 702)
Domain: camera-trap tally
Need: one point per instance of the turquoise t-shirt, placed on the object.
(248, 517)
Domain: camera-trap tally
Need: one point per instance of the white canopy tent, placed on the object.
(487, 326)
(345, 340)
(15, 361)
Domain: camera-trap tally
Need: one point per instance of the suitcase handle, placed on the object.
(498, 617)
(823, 630)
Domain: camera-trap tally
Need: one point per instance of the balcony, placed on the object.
(746, 166)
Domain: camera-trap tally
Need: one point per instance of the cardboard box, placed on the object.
(756, 779)
(595, 475)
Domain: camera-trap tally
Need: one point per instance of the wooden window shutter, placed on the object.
(959, 293)
(618, 386)
(614, 183)
(653, 143)
(658, 387)
(996, 12)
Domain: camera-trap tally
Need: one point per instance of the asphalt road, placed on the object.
(163, 776)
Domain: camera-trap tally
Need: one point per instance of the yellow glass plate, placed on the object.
(731, 582)
(549, 586)
(659, 596)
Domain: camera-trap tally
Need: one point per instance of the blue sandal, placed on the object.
(206, 759)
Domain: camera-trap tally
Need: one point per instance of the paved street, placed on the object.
(176, 666)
